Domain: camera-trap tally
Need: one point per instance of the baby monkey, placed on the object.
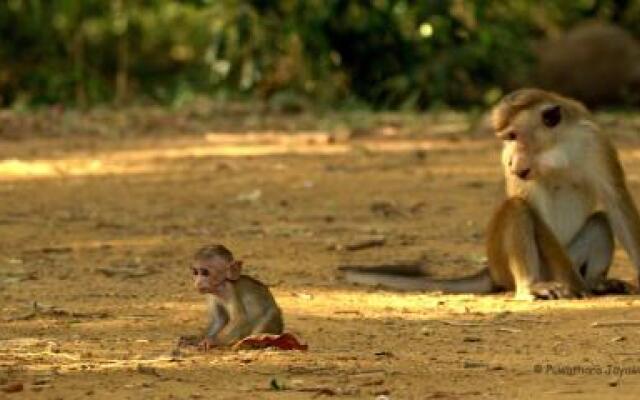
(239, 306)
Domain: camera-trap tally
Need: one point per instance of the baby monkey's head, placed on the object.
(213, 266)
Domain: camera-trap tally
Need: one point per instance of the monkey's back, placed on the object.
(261, 303)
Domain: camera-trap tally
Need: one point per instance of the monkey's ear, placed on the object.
(234, 271)
(551, 116)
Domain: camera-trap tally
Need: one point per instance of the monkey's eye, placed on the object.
(551, 116)
(194, 271)
(511, 135)
(204, 272)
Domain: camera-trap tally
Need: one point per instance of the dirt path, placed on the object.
(101, 241)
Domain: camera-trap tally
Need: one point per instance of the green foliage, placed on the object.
(385, 53)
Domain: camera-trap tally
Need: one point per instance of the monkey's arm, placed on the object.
(239, 323)
(219, 319)
(619, 205)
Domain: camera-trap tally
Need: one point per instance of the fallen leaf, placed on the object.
(285, 341)
(14, 387)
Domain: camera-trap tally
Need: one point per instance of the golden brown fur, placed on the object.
(523, 99)
(238, 305)
(566, 193)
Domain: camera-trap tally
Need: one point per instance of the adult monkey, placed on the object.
(566, 196)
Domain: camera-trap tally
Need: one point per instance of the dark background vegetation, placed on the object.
(396, 54)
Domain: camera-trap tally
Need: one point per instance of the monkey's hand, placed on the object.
(614, 286)
(554, 290)
(208, 343)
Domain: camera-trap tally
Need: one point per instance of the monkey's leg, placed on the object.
(241, 330)
(270, 322)
(523, 244)
(513, 255)
(560, 277)
(591, 252)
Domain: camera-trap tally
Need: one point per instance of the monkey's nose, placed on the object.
(523, 174)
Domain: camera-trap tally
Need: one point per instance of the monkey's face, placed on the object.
(530, 140)
(210, 276)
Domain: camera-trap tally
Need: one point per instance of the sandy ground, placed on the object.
(99, 233)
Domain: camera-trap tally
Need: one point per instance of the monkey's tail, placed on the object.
(411, 277)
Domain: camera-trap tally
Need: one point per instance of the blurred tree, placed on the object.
(385, 53)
